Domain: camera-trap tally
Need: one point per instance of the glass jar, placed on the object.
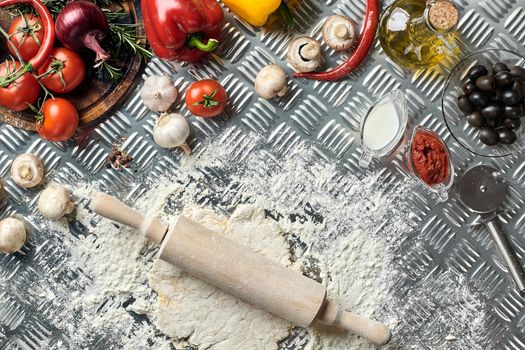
(419, 34)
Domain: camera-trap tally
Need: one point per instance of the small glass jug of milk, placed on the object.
(383, 127)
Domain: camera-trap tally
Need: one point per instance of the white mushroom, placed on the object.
(158, 93)
(12, 235)
(172, 130)
(55, 202)
(27, 170)
(304, 54)
(271, 82)
(339, 32)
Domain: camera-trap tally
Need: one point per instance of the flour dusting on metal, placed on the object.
(444, 270)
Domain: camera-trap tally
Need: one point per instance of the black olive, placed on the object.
(486, 83)
(469, 87)
(515, 111)
(476, 119)
(509, 97)
(492, 123)
(503, 79)
(500, 67)
(492, 111)
(518, 72)
(488, 136)
(507, 137)
(465, 105)
(479, 98)
(495, 95)
(518, 86)
(511, 123)
(477, 71)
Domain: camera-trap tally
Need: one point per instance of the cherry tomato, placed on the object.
(206, 98)
(26, 33)
(19, 94)
(58, 120)
(66, 70)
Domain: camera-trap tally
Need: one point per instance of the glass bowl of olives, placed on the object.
(483, 102)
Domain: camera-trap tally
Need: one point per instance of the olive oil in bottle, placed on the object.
(419, 34)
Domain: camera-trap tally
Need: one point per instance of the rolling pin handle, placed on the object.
(115, 210)
(370, 330)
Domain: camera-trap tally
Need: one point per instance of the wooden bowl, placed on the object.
(97, 94)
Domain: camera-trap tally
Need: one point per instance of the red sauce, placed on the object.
(430, 158)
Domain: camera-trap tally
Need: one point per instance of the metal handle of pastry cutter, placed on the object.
(508, 254)
(483, 189)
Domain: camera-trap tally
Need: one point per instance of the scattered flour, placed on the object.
(339, 229)
(209, 318)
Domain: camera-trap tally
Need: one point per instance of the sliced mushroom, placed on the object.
(27, 170)
(271, 82)
(304, 54)
(339, 32)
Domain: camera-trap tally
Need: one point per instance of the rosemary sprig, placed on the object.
(111, 71)
(125, 35)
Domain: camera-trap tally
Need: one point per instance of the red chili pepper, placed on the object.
(182, 30)
(49, 32)
(361, 51)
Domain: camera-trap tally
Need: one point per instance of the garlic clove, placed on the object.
(27, 170)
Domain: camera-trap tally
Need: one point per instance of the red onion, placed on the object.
(82, 25)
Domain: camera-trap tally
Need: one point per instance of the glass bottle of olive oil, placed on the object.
(419, 34)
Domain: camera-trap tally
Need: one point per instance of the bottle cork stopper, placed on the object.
(443, 15)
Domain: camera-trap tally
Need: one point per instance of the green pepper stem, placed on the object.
(195, 40)
(286, 14)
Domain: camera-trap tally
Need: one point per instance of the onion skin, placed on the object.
(80, 26)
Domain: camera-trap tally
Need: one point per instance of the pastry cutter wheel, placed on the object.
(483, 189)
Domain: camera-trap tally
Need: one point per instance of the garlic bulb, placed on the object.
(172, 130)
(158, 93)
(55, 202)
(12, 235)
(27, 170)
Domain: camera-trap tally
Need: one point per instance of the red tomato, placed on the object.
(26, 33)
(59, 120)
(66, 70)
(206, 98)
(23, 91)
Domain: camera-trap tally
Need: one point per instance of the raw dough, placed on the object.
(191, 311)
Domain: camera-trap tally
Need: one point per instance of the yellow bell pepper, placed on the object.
(257, 12)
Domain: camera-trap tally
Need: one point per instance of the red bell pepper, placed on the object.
(182, 30)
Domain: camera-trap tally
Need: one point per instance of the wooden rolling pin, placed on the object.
(238, 270)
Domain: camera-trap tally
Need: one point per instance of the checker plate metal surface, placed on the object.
(326, 114)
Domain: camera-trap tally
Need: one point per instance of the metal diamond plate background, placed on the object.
(324, 113)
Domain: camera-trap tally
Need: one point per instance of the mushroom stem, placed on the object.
(186, 148)
(310, 51)
(25, 172)
(340, 31)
